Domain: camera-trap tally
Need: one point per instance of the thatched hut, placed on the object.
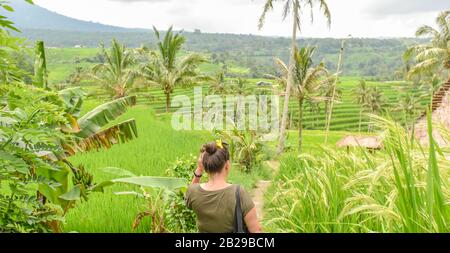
(369, 142)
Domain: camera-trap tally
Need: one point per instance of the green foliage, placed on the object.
(28, 134)
(178, 217)
(164, 201)
(246, 147)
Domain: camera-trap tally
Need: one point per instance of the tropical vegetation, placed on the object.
(86, 143)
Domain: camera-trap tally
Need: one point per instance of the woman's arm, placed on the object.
(198, 171)
(251, 220)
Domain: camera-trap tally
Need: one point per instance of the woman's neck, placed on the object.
(216, 182)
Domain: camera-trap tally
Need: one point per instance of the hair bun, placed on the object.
(210, 148)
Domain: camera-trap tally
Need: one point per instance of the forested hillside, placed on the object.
(363, 57)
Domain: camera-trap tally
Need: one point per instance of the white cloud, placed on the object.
(361, 18)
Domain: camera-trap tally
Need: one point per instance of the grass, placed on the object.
(399, 189)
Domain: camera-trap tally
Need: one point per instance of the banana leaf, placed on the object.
(73, 100)
(120, 133)
(94, 120)
(40, 66)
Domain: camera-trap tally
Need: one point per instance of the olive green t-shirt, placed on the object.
(215, 209)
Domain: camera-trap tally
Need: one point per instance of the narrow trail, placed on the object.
(261, 187)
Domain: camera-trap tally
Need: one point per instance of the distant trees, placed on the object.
(166, 69)
(116, 74)
(295, 8)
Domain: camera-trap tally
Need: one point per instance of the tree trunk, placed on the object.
(360, 121)
(330, 112)
(290, 81)
(167, 102)
(300, 125)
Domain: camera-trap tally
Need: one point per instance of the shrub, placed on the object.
(178, 217)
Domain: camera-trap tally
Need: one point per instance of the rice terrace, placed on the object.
(107, 128)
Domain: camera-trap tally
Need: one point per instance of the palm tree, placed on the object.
(116, 73)
(166, 69)
(294, 7)
(239, 87)
(307, 81)
(361, 97)
(374, 103)
(408, 103)
(435, 55)
(218, 84)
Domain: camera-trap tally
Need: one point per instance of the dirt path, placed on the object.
(261, 187)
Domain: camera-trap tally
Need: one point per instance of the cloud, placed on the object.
(395, 7)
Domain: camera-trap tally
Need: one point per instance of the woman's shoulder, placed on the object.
(193, 187)
(241, 188)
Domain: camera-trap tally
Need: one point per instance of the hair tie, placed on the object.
(219, 144)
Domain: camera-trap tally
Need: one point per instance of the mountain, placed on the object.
(28, 16)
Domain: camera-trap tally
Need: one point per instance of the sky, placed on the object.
(359, 18)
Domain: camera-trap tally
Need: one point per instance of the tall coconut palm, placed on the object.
(361, 97)
(116, 74)
(166, 69)
(295, 8)
(435, 55)
(307, 81)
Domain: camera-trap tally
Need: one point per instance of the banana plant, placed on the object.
(88, 128)
(83, 134)
(154, 190)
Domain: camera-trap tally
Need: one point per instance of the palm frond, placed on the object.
(431, 53)
(426, 30)
(268, 6)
